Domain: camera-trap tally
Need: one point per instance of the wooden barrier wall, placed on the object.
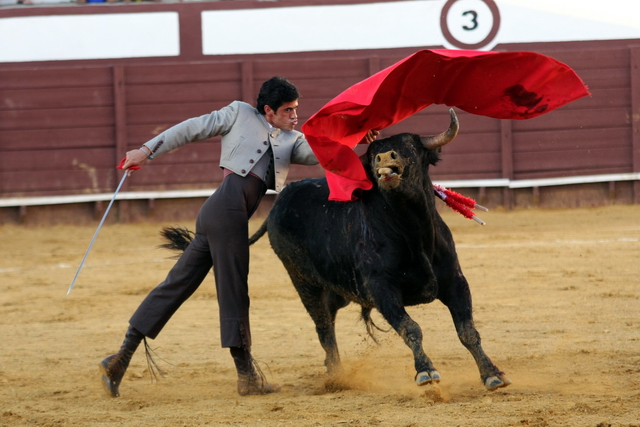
(64, 127)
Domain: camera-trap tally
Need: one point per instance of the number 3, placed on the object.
(470, 23)
(474, 19)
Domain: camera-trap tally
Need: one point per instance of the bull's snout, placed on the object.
(386, 157)
(388, 169)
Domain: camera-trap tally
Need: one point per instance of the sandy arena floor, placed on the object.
(556, 298)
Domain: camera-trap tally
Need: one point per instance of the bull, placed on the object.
(387, 250)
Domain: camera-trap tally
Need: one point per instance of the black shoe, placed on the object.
(252, 385)
(114, 366)
(112, 370)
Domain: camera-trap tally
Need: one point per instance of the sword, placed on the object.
(101, 222)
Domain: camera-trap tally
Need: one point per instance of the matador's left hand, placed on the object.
(370, 136)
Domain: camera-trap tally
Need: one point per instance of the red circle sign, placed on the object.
(472, 21)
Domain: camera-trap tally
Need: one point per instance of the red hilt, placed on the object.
(122, 163)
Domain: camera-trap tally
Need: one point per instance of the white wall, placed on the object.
(318, 28)
(99, 36)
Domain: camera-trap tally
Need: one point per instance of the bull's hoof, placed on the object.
(423, 378)
(497, 381)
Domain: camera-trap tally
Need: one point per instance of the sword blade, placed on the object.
(97, 231)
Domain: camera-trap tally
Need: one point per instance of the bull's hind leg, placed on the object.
(323, 305)
(395, 314)
(458, 300)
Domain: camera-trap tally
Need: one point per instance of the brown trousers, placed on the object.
(221, 241)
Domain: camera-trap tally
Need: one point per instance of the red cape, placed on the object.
(502, 85)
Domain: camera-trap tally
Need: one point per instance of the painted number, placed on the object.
(470, 24)
(474, 20)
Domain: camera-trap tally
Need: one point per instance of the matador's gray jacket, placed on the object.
(246, 136)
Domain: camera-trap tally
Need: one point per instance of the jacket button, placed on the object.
(244, 171)
(259, 151)
(265, 142)
(251, 161)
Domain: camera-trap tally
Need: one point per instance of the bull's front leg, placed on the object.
(458, 300)
(394, 313)
(411, 333)
(492, 377)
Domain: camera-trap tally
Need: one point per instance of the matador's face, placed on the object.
(286, 118)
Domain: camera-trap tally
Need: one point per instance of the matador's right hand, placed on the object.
(134, 158)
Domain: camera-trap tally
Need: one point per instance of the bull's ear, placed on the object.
(440, 140)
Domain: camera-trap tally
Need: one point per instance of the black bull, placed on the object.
(387, 250)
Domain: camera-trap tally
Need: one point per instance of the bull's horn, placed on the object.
(436, 141)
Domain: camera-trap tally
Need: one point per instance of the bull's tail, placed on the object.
(259, 233)
(365, 315)
(178, 238)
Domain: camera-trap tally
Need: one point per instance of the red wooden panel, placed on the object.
(634, 54)
(28, 99)
(591, 135)
(52, 139)
(569, 172)
(139, 134)
(546, 141)
(600, 78)
(471, 143)
(476, 163)
(581, 59)
(439, 174)
(167, 115)
(185, 73)
(584, 103)
(563, 118)
(308, 107)
(55, 77)
(55, 118)
(604, 97)
(324, 88)
(88, 159)
(569, 160)
(387, 61)
(34, 183)
(296, 69)
(183, 93)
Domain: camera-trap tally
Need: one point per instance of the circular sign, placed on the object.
(470, 24)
